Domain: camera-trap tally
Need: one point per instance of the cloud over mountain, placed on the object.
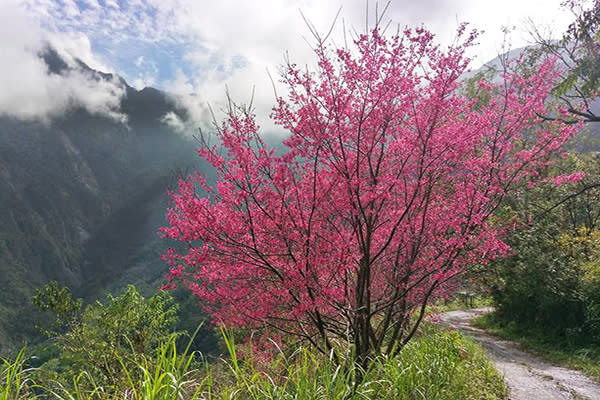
(200, 47)
(30, 90)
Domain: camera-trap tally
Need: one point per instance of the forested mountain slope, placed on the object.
(81, 200)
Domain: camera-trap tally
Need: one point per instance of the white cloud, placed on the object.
(28, 91)
(185, 97)
(112, 4)
(233, 42)
(261, 32)
(75, 45)
(139, 61)
(171, 119)
(92, 3)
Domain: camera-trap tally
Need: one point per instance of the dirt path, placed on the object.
(528, 377)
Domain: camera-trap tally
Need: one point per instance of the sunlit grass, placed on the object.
(438, 364)
(460, 303)
(15, 380)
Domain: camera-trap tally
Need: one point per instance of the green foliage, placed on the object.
(168, 375)
(14, 378)
(582, 39)
(474, 91)
(59, 301)
(459, 302)
(444, 365)
(190, 317)
(438, 364)
(105, 338)
(540, 284)
(552, 281)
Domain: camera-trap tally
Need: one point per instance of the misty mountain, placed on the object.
(81, 200)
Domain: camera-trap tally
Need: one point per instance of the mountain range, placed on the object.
(81, 199)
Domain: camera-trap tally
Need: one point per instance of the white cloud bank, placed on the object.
(236, 41)
(28, 91)
(231, 43)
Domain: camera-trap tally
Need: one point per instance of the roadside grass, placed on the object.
(584, 357)
(459, 303)
(438, 364)
(15, 380)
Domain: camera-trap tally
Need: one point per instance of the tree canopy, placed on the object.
(385, 192)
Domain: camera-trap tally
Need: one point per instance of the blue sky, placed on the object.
(202, 46)
(124, 36)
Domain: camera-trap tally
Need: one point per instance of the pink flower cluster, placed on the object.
(571, 178)
(383, 194)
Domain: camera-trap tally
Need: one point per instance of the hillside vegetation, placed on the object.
(126, 349)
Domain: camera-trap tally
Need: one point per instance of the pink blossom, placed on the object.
(383, 194)
(571, 178)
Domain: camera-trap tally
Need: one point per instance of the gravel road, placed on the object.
(527, 376)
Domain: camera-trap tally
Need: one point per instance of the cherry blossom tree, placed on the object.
(385, 192)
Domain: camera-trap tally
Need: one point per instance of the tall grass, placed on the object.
(440, 365)
(169, 375)
(436, 365)
(14, 378)
(84, 387)
(301, 375)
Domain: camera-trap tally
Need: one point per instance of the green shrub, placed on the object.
(552, 281)
(168, 375)
(106, 336)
